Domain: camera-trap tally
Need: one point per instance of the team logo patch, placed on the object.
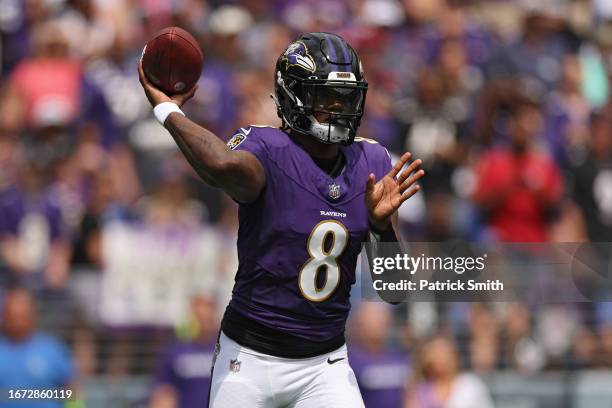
(235, 365)
(235, 141)
(297, 55)
(334, 191)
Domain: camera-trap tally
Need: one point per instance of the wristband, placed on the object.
(388, 235)
(164, 109)
(376, 230)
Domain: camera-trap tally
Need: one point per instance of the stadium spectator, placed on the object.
(79, 148)
(592, 179)
(30, 359)
(218, 109)
(101, 206)
(381, 371)
(585, 349)
(456, 24)
(484, 350)
(16, 28)
(568, 113)
(537, 53)
(520, 351)
(43, 102)
(165, 231)
(433, 121)
(183, 378)
(570, 225)
(67, 112)
(92, 34)
(33, 235)
(518, 186)
(11, 157)
(605, 333)
(483, 346)
(439, 384)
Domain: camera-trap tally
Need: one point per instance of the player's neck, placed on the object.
(315, 148)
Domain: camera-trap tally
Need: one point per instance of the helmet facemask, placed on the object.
(329, 110)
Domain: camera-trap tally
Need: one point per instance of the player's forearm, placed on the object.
(214, 162)
(202, 148)
(385, 243)
(389, 231)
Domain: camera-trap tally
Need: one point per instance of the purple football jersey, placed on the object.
(298, 242)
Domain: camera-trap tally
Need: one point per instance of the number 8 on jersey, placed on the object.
(320, 257)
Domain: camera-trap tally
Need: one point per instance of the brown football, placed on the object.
(172, 60)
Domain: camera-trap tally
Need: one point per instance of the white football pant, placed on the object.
(243, 378)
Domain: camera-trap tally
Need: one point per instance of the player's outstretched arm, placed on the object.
(383, 199)
(239, 173)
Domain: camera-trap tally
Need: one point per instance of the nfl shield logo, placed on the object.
(235, 365)
(334, 191)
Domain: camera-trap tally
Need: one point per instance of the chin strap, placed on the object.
(279, 112)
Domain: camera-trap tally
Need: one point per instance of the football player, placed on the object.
(310, 193)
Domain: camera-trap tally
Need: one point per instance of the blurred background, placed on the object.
(116, 262)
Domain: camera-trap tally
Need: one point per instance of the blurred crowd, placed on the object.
(506, 101)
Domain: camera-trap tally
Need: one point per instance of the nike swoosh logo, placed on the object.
(329, 361)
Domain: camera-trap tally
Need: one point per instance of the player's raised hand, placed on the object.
(384, 197)
(156, 96)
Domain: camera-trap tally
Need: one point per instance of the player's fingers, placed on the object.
(409, 170)
(141, 76)
(398, 166)
(190, 93)
(407, 194)
(372, 195)
(144, 81)
(146, 85)
(370, 184)
(180, 99)
(411, 180)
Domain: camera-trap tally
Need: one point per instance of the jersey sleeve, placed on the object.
(381, 159)
(250, 139)
(253, 140)
(386, 163)
(378, 157)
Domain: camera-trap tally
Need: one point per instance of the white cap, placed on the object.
(229, 20)
(382, 13)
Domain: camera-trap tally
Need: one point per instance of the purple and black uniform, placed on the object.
(298, 242)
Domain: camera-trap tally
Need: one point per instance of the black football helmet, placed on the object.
(319, 88)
